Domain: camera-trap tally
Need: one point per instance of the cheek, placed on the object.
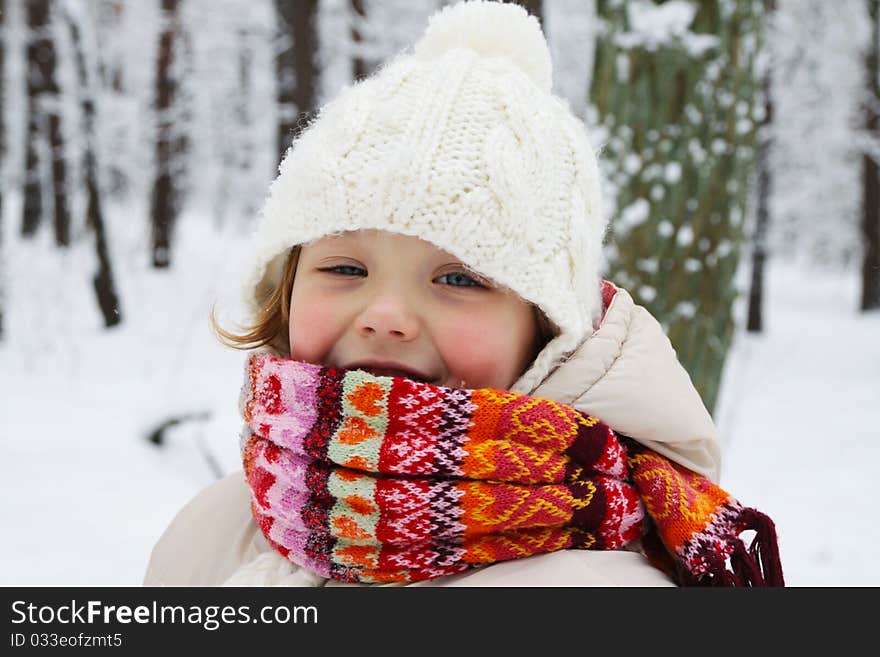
(311, 328)
(485, 350)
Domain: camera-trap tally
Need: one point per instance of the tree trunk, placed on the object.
(358, 15)
(59, 178)
(103, 283)
(2, 157)
(678, 158)
(32, 207)
(110, 72)
(534, 7)
(755, 319)
(163, 204)
(43, 117)
(296, 70)
(243, 114)
(871, 183)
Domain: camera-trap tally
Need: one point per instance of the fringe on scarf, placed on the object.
(709, 546)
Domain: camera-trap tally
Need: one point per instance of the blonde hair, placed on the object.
(270, 327)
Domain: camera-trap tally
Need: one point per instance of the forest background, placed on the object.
(138, 139)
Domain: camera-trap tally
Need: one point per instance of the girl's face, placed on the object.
(399, 306)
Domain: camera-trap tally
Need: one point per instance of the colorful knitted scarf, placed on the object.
(364, 478)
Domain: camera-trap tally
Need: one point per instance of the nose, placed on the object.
(389, 315)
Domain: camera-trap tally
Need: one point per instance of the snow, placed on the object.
(665, 228)
(673, 172)
(569, 24)
(799, 421)
(632, 163)
(685, 235)
(87, 495)
(811, 148)
(685, 309)
(652, 26)
(634, 214)
(647, 293)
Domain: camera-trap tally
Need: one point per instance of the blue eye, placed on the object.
(352, 270)
(458, 276)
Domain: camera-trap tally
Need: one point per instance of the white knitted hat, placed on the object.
(460, 143)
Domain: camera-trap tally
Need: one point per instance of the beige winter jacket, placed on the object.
(626, 374)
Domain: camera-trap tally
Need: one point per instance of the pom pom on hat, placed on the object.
(491, 29)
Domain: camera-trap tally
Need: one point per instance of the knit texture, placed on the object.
(365, 478)
(462, 144)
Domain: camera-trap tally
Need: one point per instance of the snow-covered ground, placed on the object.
(86, 495)
(800, 422)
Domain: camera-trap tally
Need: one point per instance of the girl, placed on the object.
(445, 389)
